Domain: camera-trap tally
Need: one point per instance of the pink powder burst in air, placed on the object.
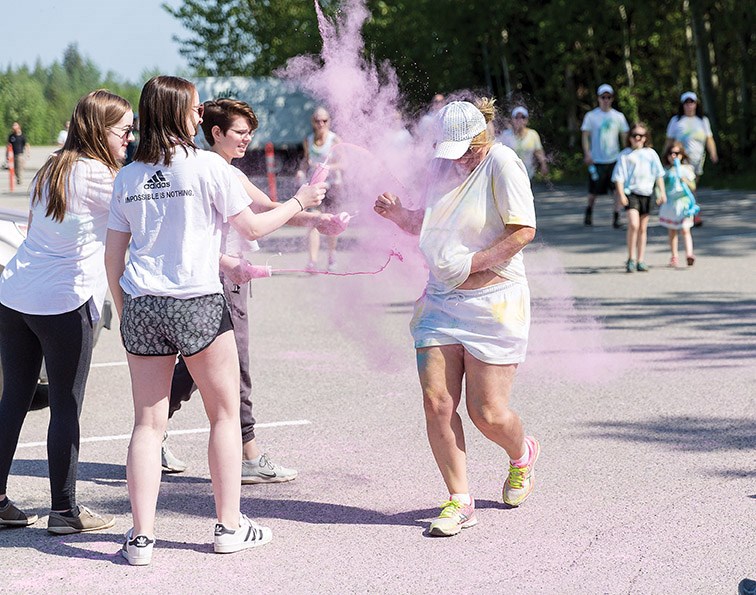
(378, 154)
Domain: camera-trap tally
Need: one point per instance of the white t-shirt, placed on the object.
(638, 170)
(472, 216)
(233, 243)
(692, 132)
(525, 147)
(174, 215)
(60, 266)
(605, 129)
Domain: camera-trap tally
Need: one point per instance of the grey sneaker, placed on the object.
(86, 520)
(263, 470)
(168, 460)
(10, 516)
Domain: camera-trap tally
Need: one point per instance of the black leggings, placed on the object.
(65, 341)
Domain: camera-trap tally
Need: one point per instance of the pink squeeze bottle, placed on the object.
(320, 174)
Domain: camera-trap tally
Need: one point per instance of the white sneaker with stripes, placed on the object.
(249, 534)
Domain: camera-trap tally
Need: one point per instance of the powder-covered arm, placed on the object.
(389, 206)
(514, 239)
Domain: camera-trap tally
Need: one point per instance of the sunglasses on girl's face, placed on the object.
(200, 109)
(637, 136)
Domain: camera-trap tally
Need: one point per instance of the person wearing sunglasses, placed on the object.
(637, 175)
(526, 142)
(677, 213)
(692, 128)
(228, 126)
(604, 131)
(167, 212)
(318, 149)
(51, 296)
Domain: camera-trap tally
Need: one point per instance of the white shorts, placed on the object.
(491, 323)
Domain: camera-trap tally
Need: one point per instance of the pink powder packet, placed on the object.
(320, 174)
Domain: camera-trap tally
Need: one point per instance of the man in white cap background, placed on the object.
(604, 133)
(471, 324)
(526, 142)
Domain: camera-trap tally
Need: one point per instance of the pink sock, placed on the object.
(523, 460)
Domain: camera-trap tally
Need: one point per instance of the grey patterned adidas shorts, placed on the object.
(161, 325)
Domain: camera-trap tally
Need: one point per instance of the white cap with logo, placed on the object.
(688, 95)
(605, 89)
(458, 123)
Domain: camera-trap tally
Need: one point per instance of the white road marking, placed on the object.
(273, 424)
(109, 364)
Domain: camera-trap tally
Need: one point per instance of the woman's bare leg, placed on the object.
(216, 372)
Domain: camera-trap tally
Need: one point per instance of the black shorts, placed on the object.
(639, 203)
(604, 184)
(161, 325)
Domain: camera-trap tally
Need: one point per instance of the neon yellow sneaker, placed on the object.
(454, 517)
(520, 481)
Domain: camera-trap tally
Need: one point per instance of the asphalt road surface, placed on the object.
(639, 386)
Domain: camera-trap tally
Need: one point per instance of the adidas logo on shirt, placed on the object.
(157, 181)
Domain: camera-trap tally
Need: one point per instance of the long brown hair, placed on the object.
(90, 120)
(163, 110)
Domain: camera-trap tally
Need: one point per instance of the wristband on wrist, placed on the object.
(299, 202)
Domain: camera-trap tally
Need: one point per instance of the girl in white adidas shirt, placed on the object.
(167, 210)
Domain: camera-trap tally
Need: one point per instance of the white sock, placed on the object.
(463, 498)
(523, 460)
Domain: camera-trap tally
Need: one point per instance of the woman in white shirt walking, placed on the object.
(51, 296)
(472, 322)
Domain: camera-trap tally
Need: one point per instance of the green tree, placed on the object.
(549, 55)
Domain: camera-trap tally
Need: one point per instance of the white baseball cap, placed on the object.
(605, 89)
(688, 95)
(520, 110)
(458, 123)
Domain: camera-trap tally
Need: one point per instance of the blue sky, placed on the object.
(126, 37)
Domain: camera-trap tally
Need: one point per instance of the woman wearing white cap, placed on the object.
(526, 142)
(693, 130)
(472, 322)
(690, 127)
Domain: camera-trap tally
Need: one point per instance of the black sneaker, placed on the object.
(616, 221)
(588, 216)
(10, 516)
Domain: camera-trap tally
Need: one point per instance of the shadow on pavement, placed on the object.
(690, 434)
(319, 513)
